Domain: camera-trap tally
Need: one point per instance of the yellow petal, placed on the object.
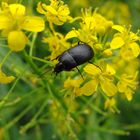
(4, 22)
(50, 9)
(89, 88)
(119, 28)
(126, 53)
(116, 43)
(40, 8)
(4, 5)
(5, 79)
(129, 94)
(108, 87)
(122, 86)
(34, 24)
(71, 34)
(110, 70)
(92, 69)
(90, 22)
(71, 83)
(17, 40)
(17, 9)
(135, 49)
(134, 36)
(107, 52)
(110, 103)
(64, 10)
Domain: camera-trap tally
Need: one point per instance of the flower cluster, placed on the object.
(13, 23)
(56, 13)
(116, 47)
(13, 20)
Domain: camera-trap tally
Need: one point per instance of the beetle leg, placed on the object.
(95, 65)
(80, 73)
(80, 42)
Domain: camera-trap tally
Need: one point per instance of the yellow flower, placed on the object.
(110, 104)
(57, 44)
(83, 34)
(126, 40)
(101, 24)
(94, 21)
(89, 88)
(91, 25)
(73, 85)
(107, 53)
(5, 79)
(102, 78)
(127, 85)
(13, 20)
(56, 12)
(122, 66)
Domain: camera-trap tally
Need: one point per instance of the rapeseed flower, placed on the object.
(102, 78)
(4, 79)
(92, 24)
(57, 44)
(73, 85)
(57, 12)
(127, 41)
(127, 85)
(13, 21)
(110, 104)
(128, 67)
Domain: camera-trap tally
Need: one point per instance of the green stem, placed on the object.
(34, 121)
(5, 58)
(2, 103)
(71, 131)
(32, 44)
(23, 112)
(42, 60)
(94, 107)
(105, 39)
(100, 91)
(29, 60)
(3, 45)
(10, 124)
(54, 95)
(111, 131)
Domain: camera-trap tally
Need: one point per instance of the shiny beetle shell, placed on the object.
(74, 57)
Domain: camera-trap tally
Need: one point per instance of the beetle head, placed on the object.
(58, 68)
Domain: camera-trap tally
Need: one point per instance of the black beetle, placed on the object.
(73, 57)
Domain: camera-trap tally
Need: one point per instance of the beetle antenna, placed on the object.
(80, 73)
(95, 65)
